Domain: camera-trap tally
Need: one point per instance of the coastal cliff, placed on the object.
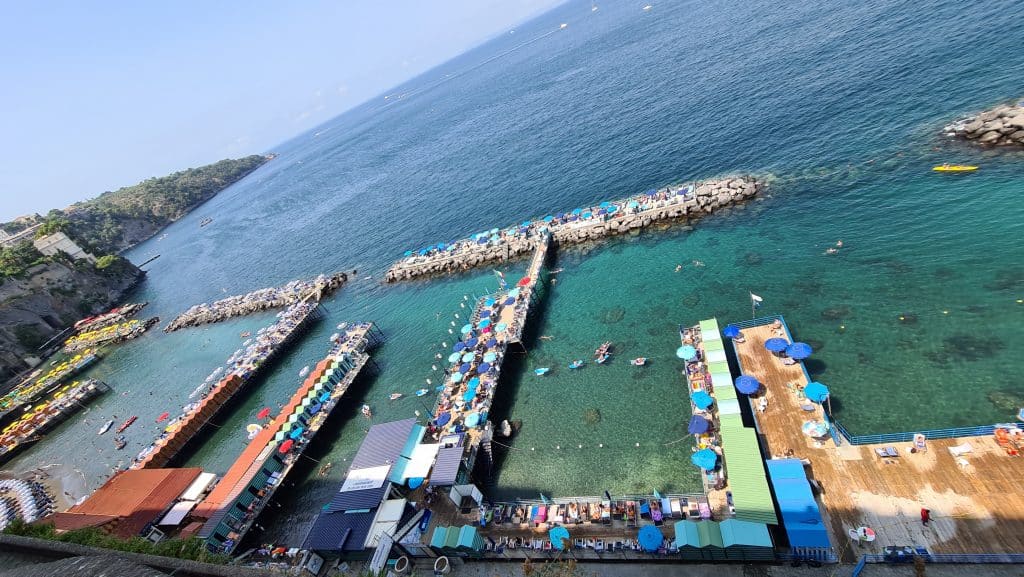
(48, 297)
(999, 126)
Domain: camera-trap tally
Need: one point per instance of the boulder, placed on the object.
(972, 127)
(724, 198)
(1017, 136)
(989, 115)
(990, 136)
(1016, 121)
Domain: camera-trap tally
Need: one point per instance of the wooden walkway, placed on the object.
(976, 501)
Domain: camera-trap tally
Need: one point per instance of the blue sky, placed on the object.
(101, 95)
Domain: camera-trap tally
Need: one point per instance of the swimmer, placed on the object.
(698, 263)
(831, 250)
(679, 267)
(839, 243)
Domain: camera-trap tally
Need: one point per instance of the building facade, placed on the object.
(58, 242)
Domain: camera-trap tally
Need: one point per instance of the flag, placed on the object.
(543, 499)
(756, 300)
(607, 495)
(657, 495)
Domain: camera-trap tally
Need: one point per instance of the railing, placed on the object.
(1010, 558)
(838, 432)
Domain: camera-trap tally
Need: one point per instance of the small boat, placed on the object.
(639, 361)
(106, 427)
(601, 359)
(556, 271)
(120, 443)
(366, 412)
(163, 417)
(576, 364)
(245, 334)
(563, 26)
(422, 392)
(205, 222)
(647, 7)
(126, 424)
(954, 168)
(506, 428)
(304, 371)
(541, 371)
(395, 396)
(604, 349)
(326, 468)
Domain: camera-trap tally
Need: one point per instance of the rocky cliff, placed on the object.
(999, 126)
(46, 298)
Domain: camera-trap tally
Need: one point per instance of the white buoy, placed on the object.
(600, 445)
(433, 367)
(581, 446)
(558, 446)
(445, 345)
(462, 305)
(456, 315)
(451, 331)
(429, 382)
(638, 444)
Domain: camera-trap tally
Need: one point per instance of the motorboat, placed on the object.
(422, 392)
(603, 350)
(304, 371)
(541, 371)
(163, 417)
(120, 443)
(106, 427)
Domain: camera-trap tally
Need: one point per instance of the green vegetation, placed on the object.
(18, 258)
(112, 221)
(191, 549)
(105, 261)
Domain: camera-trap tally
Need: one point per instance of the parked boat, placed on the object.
(120, 443)
(126, 424)
(639, 361)
(163, 417)
(205, 222)
(304, 371)
(541, 371)
(576, 364)
(422, 392)
(1020, 414)
(603, 350)
(106, 427)
(366, 411)
(395, 396)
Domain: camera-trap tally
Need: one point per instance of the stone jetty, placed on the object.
(580, 225)
(259, 300)
(999, 126)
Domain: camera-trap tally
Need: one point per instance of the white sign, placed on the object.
(362, 479)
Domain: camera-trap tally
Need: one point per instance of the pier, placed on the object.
(243, 367)
(965, 478)
(259, 300)
(576, 226)
(31, 427)
(240, 496)
(34, 388)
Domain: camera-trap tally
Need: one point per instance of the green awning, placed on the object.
(439, 537)
(718, 367)
(715, 345)
(744, 469)
(736, 532)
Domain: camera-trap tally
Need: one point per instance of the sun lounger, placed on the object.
(887, 452)
(705, 510)
(606, 512)
(676, 508)
(960, 449)
(666, 507)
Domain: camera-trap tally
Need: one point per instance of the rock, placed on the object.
(989, 137)
(1015, 121)
(1017, 136)
(972, 127)
(989, 115)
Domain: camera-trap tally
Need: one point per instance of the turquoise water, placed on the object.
(838, 104)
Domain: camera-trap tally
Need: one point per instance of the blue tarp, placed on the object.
(731, 331)
(800, 515)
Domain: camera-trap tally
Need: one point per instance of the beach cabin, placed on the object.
(728, 540)
(699, 541)
(801, 517)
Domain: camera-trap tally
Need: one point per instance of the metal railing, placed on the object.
(1010, 558)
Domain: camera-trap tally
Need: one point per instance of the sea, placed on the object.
(916, 322)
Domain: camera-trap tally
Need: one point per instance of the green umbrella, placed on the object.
(285, 428)
(297, 410)
(279, 436)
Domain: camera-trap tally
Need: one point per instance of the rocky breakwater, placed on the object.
(579, 225)
(999, 126)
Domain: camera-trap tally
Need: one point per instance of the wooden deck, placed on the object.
(977, 505)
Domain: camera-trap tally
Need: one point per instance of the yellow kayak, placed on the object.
(954, 168)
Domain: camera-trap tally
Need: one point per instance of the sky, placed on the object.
(100, 95)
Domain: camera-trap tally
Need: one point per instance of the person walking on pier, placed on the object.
(926, 516)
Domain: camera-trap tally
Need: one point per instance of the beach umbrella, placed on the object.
(776, 345)
(472, 420)
(464, 368)
(414, 482)
(467, 357)
(604, 204)
(456, 377)
(489, 302)
(523, 281)
(315, 408)
(702, 400)
(816, 392)
(686, 352)
(296, 433)
(698, 425)
(514, 293)
(510, 301)
(705, 459)
(747, 384)
(559, 537)
(443, 419)
(482, 240)
(484, 314)
(613, 209)
(473, 383)
(549, 218)
(484, 323)
(466, 329)
(650, 538)
(588, 214)
(483, 368)
(459, 346)
(491, 343)
(468, 396)
(602, 212)
(525, 223)
(490, 357)
(472, 342)
(731, 331)
(799, 351)
(500, 327)
(454, 357)
(577, 210)
(286, 446)
(264, 413)
(573, 218)
(633, 204)
(324, 396)
(407, 253)
(652, 192)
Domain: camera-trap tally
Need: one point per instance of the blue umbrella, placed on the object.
(510, 301)
(549, 218)
(776, 345)
(731, 331)
(577, 210)
(414, 482)
(466, 329)
(407, 253)
(467, 357)
(296, 433)
(798, 351)
(423, 251)
(698, 425)
(650, 538)
(613, 209)
(602, 212)
(459, 347)
(490, 357)
(573, 218)
(652, 192)
(314, 409)
(472, 420)
(456, 377)
(686, 352)
(702, 400)
(491, 343)
(485, 314)
(324, 396)
(472, 342)
(514, 293)
(489, 302)
(482, 240)
(604, 204)
(464, 368)
(468, 396)
(443, 419)
(525, 223)
(747, 384)
(494, 231)
(633, 204)
(484, 323)
(483, 368)
(588, 214)
(705, 459)
(453, 358)
(560, 215)
(524, 230)
(474, 382)
(500, 327)
(559, 537)
(816, 392)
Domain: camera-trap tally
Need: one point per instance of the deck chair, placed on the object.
(881, 452)
(958, 450)
(892, 452)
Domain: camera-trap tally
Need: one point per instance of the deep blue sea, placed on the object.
(840, 105)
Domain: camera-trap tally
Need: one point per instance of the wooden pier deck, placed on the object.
(976, 501)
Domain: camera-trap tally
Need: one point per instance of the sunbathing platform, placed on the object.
(970, 484)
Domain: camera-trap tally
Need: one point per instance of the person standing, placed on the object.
(926, 516)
